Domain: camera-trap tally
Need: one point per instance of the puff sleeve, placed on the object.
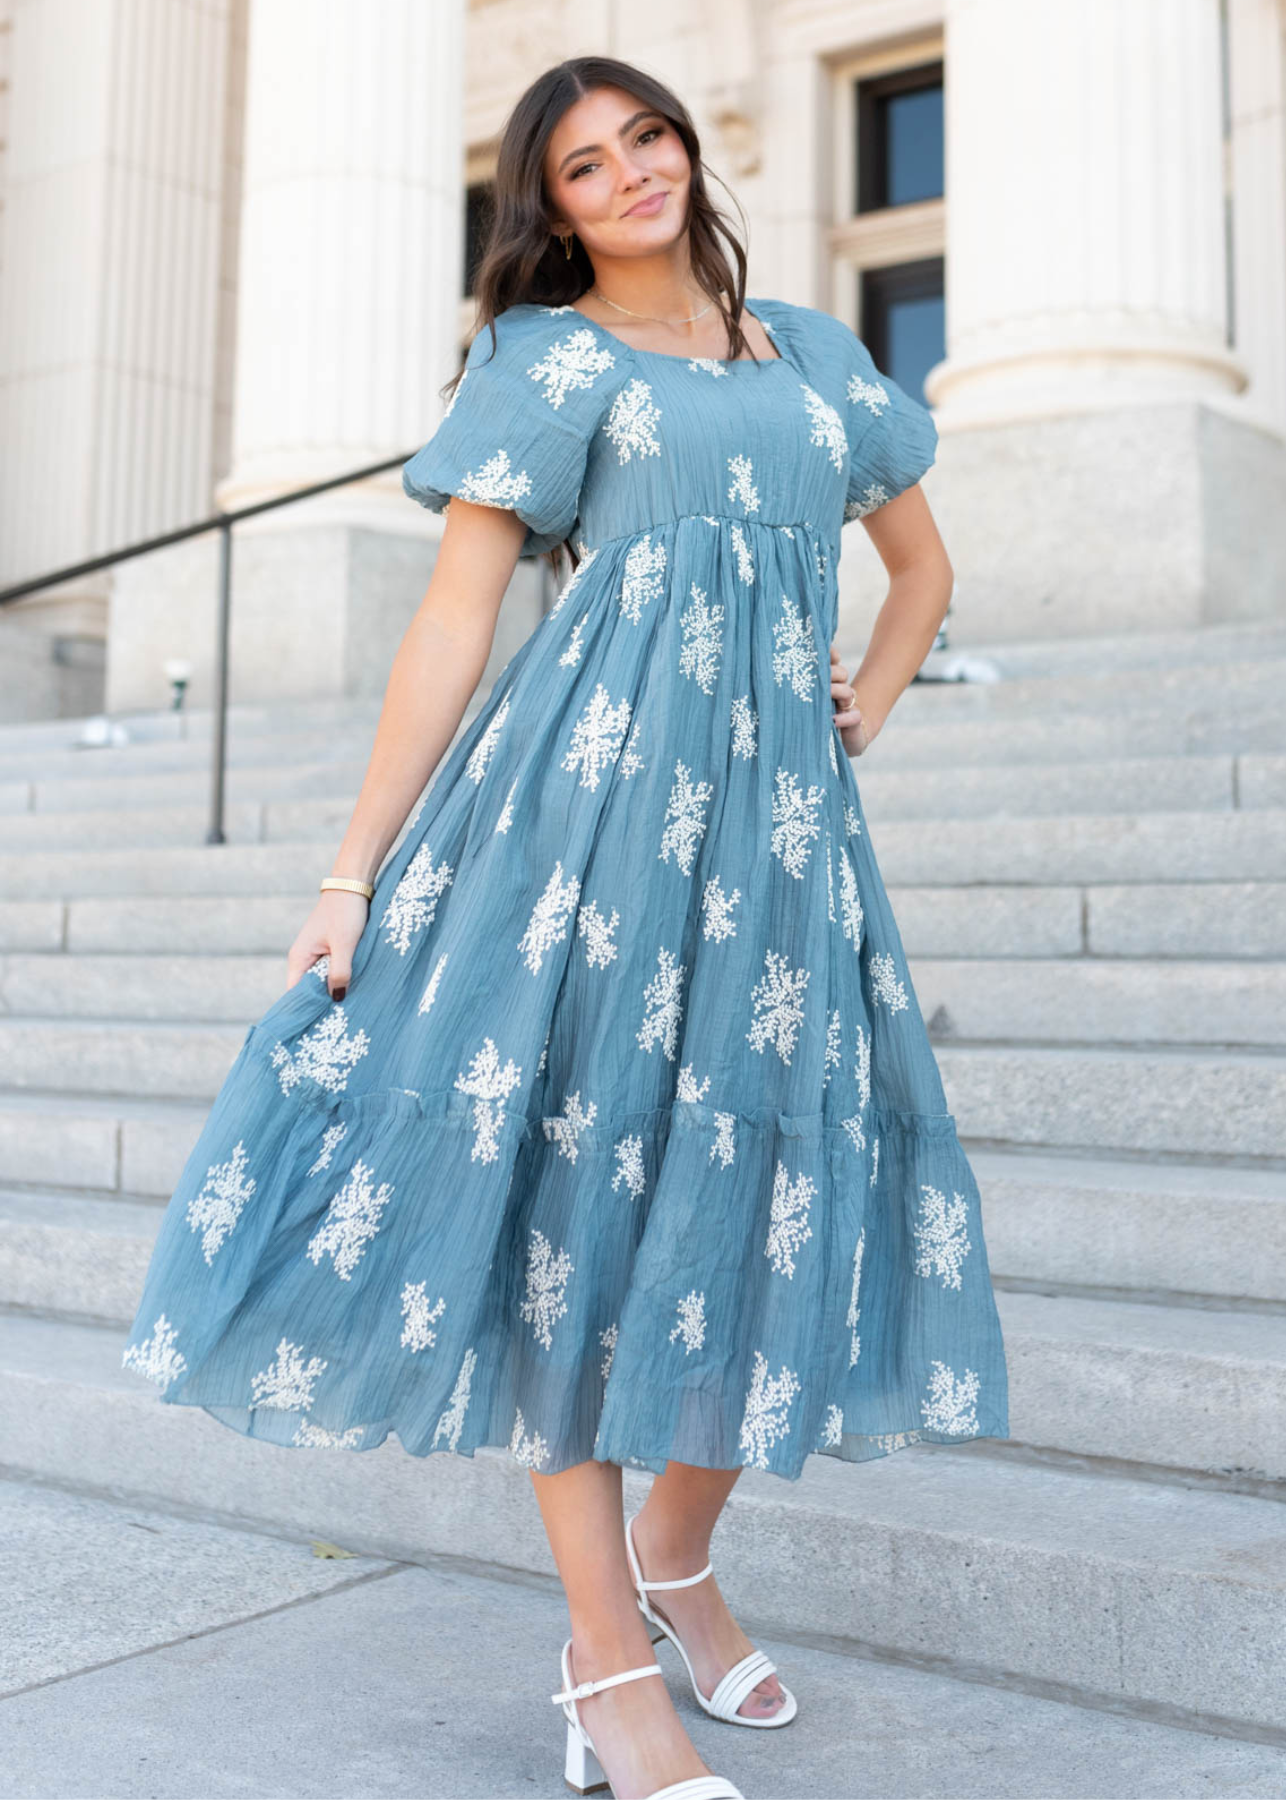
(892, 438)
(517, 430)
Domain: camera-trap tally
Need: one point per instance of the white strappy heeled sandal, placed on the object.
(583, 1772)
(738, 1680)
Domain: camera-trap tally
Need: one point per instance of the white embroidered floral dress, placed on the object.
(627, 1140)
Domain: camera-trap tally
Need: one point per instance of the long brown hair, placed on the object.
(524, 262)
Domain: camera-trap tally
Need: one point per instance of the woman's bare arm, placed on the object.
(438, 664)
(920, 580)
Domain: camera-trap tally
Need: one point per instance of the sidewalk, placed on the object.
(150, 1657)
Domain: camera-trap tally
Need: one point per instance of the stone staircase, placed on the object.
(1087, 861)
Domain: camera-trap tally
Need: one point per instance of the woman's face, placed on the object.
(607, 154)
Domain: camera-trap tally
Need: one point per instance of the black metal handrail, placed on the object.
(222, 522)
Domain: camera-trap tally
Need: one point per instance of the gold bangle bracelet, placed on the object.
(348, 886)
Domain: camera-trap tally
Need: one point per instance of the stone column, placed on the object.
(349, 290)
(110, 268)
(1088, 402)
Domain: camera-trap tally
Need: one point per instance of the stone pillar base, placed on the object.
(1138, 519)
(318, 611)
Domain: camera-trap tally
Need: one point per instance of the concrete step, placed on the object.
(1179, 1103)
(1222, 919)
(1018, 1569)
(125, 1145)
(1182, 1102)
(1092, 1377)
(138, 986)
(1141, 785)
(1159, 1230)
(979, 999)
(1082, 999)
(913, 737)
(272, 779)
(1116, 849)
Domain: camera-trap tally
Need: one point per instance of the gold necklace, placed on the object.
(599, 294)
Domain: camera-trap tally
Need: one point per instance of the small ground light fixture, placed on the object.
(178, 672)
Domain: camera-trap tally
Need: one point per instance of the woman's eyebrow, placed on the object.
(585, 149)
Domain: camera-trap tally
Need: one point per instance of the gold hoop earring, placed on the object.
(567, 245)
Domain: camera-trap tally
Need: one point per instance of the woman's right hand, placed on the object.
(331, 929)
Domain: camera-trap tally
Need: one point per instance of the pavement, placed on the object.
(150, 1656)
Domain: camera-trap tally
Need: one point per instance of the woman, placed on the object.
(628, 1145)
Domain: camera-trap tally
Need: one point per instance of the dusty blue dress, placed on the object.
(628, 1140)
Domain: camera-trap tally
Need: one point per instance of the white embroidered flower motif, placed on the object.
(717, 921)
(854, 1129)
(687, 1087)
(489, 1085)
(352, 1220)
(608, 1339)
(827, 427)
(414, 900)
(862, 1068)
(795, 822)
(950, 1406)
(834, 1051)
(743, 491)
(566, 1131)
(419, 1317)
(725, 1142)
(550, 917)
(768, 1402)
(451, 1424)
(572, 654)
(482, 752)
(586, 557)
(631, 424)
(854, 1311)
(597, 737)
(941, 1236)
(430, 993)
(316, 1437)
(833, 1427)
(745, 558)
(885, 986)
(629, 1167)
(873, 496)
(795, 658)
(644, 577)
(873, 395)
(850, 901)
(326, 1054)
(546, 1284)
(663, 1008)
(702, 641)
(506, 818)
(830, 749)
(596, 929)
(685, 818)
(830, 882)
(875, 1160)
(215, 1210)
(692, 1321)
(778, 1000)
(158, 1357)
(706, 364)
(631, 762)
(288, 1382)
(852, 824)
(571, 363)
(496, 483)
(745, 728)
(531, 1451)
(332, 1137)
(788, 1226)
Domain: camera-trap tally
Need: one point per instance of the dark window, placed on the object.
(477, 223)
(904, 323)
(899, 138)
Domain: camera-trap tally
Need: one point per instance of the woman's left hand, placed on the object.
(857, 728)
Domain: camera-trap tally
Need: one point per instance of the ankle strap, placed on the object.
(584, 1689)
(685, 1581)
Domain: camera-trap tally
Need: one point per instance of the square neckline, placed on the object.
(724, 362)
